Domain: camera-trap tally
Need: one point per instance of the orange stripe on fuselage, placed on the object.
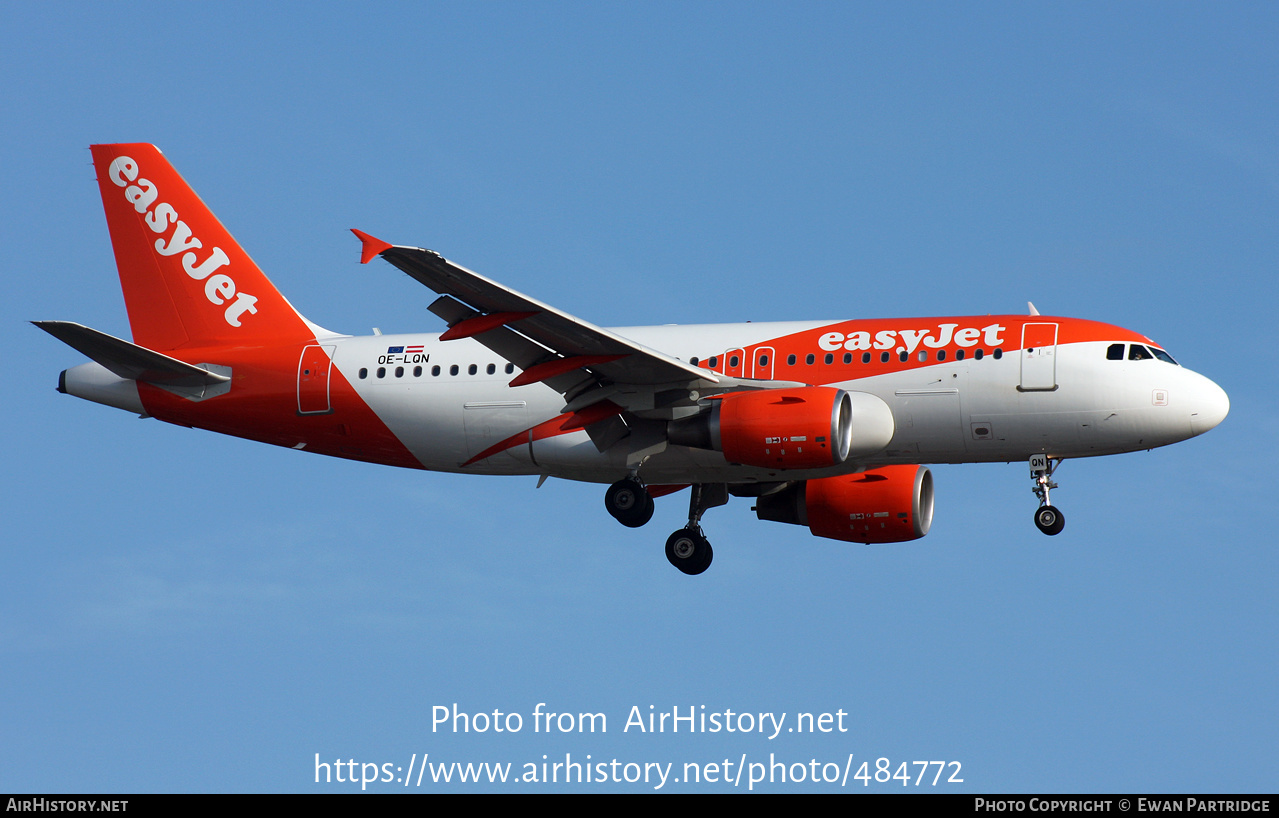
(263, 405)
(901, 335)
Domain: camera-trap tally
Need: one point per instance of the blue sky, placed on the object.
(185, 612)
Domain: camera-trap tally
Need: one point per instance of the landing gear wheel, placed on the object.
(1050, 520)
(629, 503)
(689, 551)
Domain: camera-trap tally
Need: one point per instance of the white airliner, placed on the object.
(824, 424)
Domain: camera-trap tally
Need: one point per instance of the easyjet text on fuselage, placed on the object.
(908, 340)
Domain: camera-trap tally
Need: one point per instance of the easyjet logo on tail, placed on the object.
(219, 288)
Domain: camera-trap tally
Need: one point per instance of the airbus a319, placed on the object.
(825, 425)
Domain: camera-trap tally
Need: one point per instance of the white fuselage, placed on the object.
(947, 412)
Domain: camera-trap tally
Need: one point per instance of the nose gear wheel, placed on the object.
(1048, 518)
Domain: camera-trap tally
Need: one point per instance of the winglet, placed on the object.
(372, 246)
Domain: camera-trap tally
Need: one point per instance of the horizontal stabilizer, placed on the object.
(129, 360)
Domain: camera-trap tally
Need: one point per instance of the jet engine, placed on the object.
(809, 427)
(888, 504)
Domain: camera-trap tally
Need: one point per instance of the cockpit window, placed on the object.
(1137, 352)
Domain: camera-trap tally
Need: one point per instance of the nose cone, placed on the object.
(1209, 406)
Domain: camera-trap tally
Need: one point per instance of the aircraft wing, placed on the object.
(495, 315)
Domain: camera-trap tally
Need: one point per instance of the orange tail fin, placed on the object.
(186, 281)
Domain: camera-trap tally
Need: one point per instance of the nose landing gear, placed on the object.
(1048, 518)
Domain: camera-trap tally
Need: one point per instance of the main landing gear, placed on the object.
(629, 502)
(1048, 518)
(687, 549)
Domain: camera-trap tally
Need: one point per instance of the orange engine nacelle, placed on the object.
(888, 504)
(806, 428)
(809, 427)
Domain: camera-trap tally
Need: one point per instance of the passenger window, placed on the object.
(865, 357)
(810, 358)
(510, 369)
(902, 356)
(979, 354)
(364, 373)
(693, 360)
(999, 353)
(492, 368)
(941, 354)
(848, 357)
(417, 371)
(381, 372)
(790, 360)
(453, 369)
(959, 355)
(472, 369)
(883, 358)
(830, 358)
(1115, 352)
(763, 360)
(435, 372)
(714, 361)
(399, 372)
(734, 361)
